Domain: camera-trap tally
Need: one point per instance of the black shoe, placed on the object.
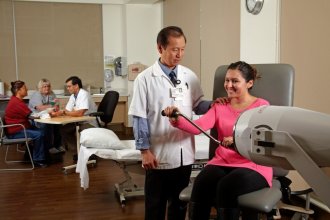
(75, 158)
(40, 164)
(26, 156)
(92, 157)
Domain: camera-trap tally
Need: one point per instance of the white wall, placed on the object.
(143, 24)
(114, 39)
(131, 30)
(260, 33)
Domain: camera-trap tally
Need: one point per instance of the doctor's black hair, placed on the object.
(165, 33)
(75, 80)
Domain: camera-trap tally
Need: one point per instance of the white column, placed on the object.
(260, 34)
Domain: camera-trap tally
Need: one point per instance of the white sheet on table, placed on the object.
(85, 153)
(201, 144)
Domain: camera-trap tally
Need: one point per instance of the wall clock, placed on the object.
(254, 6)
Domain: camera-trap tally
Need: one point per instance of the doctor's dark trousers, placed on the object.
(163, 187)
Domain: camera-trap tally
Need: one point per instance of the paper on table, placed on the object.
(43, 114)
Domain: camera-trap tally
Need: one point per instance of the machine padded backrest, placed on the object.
(276, 85)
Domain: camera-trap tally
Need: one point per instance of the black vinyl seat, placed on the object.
(106, 108)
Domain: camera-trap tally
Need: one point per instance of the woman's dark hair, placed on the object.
(16, 85)
(165, 33)
(248, 72)
(75, 80)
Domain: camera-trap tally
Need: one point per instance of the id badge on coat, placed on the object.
(178, 93)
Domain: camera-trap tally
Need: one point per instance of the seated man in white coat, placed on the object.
(79, 104)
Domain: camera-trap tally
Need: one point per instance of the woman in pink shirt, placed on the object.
(228, 174)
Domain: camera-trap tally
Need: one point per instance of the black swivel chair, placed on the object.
(105, 112)
(106, 108)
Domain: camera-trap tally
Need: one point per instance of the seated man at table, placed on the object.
(79, 104)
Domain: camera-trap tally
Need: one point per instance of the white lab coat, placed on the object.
(151, 95)
(83, 101)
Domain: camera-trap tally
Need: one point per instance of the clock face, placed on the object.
(250, 4)
(108, 75)
(254, 6)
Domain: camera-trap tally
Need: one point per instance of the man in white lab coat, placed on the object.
(167, 153)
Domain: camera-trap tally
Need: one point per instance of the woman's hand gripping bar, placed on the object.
(177, 113)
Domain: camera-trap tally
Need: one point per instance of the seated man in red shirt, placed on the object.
(17, 112)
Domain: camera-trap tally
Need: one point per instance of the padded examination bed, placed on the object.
(127, 157)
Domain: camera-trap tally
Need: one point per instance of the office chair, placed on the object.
(106, 108)
(4, 141)
(277, 86)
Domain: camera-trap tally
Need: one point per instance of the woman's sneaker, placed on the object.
(41, 164)
(53, 150)
(61, 149)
